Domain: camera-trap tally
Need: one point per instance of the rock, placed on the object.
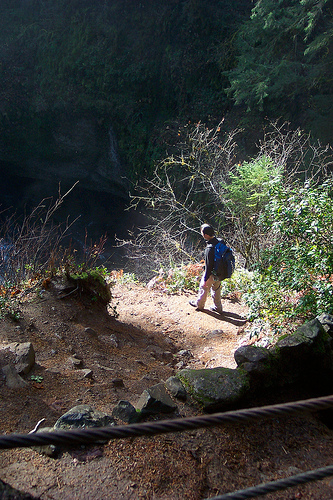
(176, 388)
(82, 416)
(13, 379)
(167, 356)
(125, 411)
(159, 353)
(216, 388)
(305, 355)
(50, 450)
(90, 331)
(185, 354)
(25, 356)
(258, 363)
(327, 322)
(155, 400)
(118, 383)
(111, 340)
(83, 373)
(214, 334)
(74, 361)
(180, 365)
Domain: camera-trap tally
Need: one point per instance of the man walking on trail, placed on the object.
(208, 280)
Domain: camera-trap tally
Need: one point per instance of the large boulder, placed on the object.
(216, 388)
(305, 355)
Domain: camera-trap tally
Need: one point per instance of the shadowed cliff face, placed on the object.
(71, 149)
(67, 149)
(98, 213)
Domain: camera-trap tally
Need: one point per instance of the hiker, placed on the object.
(208, 280)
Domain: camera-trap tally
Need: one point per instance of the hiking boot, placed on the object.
(216, 310)
(193, 303)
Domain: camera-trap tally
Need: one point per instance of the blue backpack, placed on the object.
(224, 261)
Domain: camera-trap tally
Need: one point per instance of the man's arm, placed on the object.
(209, 261)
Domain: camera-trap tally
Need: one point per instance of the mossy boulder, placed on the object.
(216, 388)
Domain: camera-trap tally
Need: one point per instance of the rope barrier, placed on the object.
(281, 484)
(92, 435)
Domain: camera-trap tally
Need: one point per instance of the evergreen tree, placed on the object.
(285, 56)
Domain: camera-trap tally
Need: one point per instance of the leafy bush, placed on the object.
(297, 270)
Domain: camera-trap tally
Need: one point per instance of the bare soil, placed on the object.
(135, 347)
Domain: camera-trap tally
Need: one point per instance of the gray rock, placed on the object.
(155, 400)
(214, 334)
(216, 388)
(176, 388)
(50, 450)
(74, 362)
(251, 354)
(125, 411)
(327, 321)
(185, 354)
(258, 363)
(83, 373)
(13, 379)
(82, 416)
(25, 356)
(306, 354)
(158, 353)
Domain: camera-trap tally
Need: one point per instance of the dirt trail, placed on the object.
(134, 349)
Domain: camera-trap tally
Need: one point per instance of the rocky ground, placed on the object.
(154, 335)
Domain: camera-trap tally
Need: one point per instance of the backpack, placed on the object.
(224, 261)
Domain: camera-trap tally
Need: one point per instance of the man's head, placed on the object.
(207, 231)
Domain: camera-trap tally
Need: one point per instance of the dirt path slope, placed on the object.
(126, 356)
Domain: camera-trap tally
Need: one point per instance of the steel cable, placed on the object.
(92, 435)
(281, 484)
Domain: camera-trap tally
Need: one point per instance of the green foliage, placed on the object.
(297, 270)
(285, 56)
(241, 283)
(8, 304)
(247, 193)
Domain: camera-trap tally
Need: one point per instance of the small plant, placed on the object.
(241, 282)
(122, 278)
(184, 277)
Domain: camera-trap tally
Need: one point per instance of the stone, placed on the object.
(156, 400)
(258, 363)
(74, 361)
(13, 379)
(176, 388)
(304, 356)
(326, 321)
(90, 331)
(50, 450)
(82, 416)
(118, 383)
(83, 373)
(216, 388)
(125, 411)
(25, 356)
